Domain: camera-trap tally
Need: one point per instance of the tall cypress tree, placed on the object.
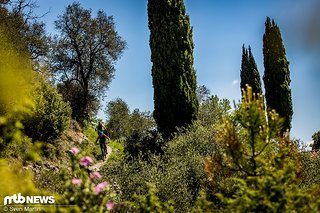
(249, 73)
(174, 78)
(277, 75)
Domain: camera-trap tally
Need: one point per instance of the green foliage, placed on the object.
(122, 124)
(249, 72)
(51, 116)
(203, 93)
(118, 122)
(15, 87)
(151, 203)
(178, 174)
(90, 132)
(212, 110)
(50, 181)
(72, 93)
(83, 57)
(117, 153)
(277, 75)
(247, 138)
(85, 190)
(174, 78)
(185, 155)
(142, 144)
(275, 192)
(30, 152)
(89, 146)
(25, 31)
(203, 204)
(141, 122)
(310, 174)
(316, 141)
(266, 163)
(14, 180)
(10, 133)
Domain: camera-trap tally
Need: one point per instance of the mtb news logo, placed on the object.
(19, 199)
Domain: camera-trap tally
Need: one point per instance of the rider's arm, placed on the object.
(106, 136)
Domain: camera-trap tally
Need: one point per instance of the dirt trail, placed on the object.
(100, 163)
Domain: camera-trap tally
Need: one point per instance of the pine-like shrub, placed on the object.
(262, 163)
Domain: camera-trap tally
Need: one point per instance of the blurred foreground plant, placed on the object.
(15, 88)
(85, 192)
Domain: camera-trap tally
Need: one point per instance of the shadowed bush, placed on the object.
(51, 116)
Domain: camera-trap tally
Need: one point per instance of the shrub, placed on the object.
(316, 141)
(184, 175)
(13, 178)
(122, 124)
(177, 174)
(310, 174)
(212, 110)
(143, 144)
(266, 162)
(141, 122)
(10, 134)
(151, 203)
(50, 180)
(85, 190)
(118, 122)
(15, 86)
(51, 116)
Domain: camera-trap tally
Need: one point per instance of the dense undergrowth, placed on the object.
(203, 168)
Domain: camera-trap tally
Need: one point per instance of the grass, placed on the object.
(90, 147)
(117, 151)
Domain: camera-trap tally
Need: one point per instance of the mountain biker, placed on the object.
(102, 137)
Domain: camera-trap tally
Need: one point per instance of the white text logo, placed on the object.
(19, 199)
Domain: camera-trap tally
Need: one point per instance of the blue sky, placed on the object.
(220, 28)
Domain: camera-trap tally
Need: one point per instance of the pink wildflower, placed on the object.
(76, 181)
(100, 187)
(95, 175)
(86, 161)
(110, 205)
(74, 150)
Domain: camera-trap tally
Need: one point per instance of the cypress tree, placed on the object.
(249, 73)
(277, 75)
(174, 78)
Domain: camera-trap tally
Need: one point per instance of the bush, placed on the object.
(185, 156)
(177, 174)
(143, 144)
(151, 203)
(51, 116)
(175, 167)
(122, 124)
(85, 190)
(118, 122)
(15, 87)
(14, 179)
(266, 162)
(50, 181)
(212, 110)
(310, 175)
(316, 141)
